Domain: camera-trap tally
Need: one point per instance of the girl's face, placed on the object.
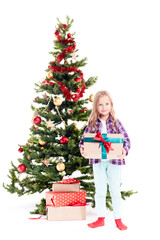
(104, 106)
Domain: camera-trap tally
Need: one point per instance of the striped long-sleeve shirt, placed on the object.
(111, 130)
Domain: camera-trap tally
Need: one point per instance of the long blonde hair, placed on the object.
(94, 114)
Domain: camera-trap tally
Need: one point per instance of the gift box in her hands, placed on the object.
(103, 146)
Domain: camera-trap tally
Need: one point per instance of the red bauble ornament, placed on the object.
(21, 168)
(20, 149)
(37, 120)
(63, 140)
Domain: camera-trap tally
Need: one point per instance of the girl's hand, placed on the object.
(82, 151)
(123, 154)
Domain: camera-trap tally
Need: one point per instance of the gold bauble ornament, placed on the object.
(57, 101)
(50, 75)
(75, 126)
(60, 166)
(41, 142)
(91, 98)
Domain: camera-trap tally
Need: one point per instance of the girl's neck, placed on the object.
(104, 118)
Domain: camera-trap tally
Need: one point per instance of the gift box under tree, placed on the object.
(66, 213)
(103, 146)
(68, 205)
(68, 184)
(60, 199)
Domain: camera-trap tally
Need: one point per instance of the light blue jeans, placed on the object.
(104, 171)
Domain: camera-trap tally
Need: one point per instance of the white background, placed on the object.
(121, 41)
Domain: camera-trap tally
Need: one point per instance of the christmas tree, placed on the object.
(52, 151)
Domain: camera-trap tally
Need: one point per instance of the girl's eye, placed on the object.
(107, 103)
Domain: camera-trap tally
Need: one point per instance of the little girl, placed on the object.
(102, 119)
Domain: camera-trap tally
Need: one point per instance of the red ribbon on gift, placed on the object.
(107, 145)
(37, 218)
(74, 204)
(70, 180)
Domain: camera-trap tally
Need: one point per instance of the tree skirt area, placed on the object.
(15, 221)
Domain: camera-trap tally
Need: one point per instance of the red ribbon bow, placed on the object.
(107, 145)
(69, 180)
(74, 204)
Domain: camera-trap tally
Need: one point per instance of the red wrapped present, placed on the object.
(60, 199)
